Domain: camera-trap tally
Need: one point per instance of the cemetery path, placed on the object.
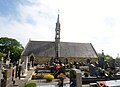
(21, 82)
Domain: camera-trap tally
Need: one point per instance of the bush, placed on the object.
(30, 85)
(34, 74)
(49, 77)
(61, 75)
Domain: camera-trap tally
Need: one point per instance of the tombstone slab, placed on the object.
(75, 78)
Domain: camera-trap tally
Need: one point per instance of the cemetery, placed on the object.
(59, 74)
(55, 73)
(59, 64)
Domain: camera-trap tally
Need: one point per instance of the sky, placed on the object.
(82, 21)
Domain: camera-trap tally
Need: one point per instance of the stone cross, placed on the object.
(8, 60)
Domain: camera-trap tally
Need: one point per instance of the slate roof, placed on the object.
(67, 49)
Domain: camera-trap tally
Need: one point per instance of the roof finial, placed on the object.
(58, 11)
(58, 17)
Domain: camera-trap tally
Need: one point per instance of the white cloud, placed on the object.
(94, 21)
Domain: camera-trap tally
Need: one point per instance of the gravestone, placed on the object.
(51, 61)
(71, 65)
(105, 65)
(1, 75)
(84, 68)
(93, 70)
(17, 68)
(19, 71)
(7, 75)
(19, 61)
(112, 64)
(75, 78)
(13, 73)
(77, 66)
(26, 64)
(22, 68)
(101, 61)
(66, 61)
(8, 60)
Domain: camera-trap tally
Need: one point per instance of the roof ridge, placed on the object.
(60, 42)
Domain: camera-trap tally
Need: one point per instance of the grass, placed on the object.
(30, 85)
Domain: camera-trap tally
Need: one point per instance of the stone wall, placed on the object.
(41, 60)
(78, 59)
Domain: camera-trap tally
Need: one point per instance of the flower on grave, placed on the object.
(34, 74)
(49, 77)
(58, 67)
(61, 76)
(51, 67)
(102, 84)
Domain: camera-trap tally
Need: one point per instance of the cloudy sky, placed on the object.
(83, 21)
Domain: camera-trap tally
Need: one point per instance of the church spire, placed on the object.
(58, 19)
(57, 29)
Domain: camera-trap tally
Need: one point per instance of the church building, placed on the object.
(43, 51)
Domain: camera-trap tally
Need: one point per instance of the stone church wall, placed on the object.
(43, 60)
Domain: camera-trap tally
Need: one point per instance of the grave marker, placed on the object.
(75, 78)
(93, 70)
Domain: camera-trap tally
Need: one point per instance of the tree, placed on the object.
(107, 58)
(12, 45)
(2, 55)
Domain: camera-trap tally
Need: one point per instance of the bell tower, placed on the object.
(57, 39)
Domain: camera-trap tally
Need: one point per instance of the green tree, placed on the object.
(12, 45)
(117, 59)
(2, 55)
(107, 58)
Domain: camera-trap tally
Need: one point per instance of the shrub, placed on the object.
(33, 74)
(49, 77)
(61, 75)
(30, 85)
